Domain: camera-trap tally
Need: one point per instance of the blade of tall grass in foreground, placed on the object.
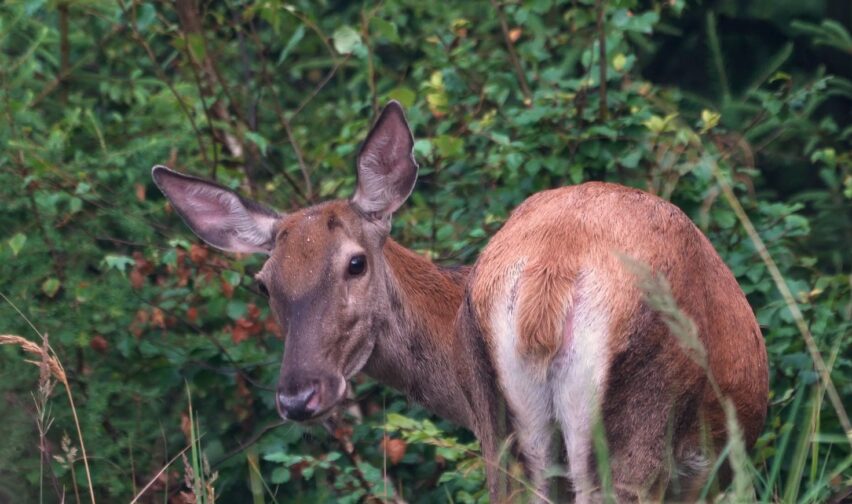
(781, 447)
(198, 477)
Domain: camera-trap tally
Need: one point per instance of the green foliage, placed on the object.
(273, 98)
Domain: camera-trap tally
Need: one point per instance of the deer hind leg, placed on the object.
(531, 419)
(577, 377)
(527, 394)
(650, 410)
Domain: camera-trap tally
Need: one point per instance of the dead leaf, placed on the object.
(394, 448)
(99, 344)
(140, 192)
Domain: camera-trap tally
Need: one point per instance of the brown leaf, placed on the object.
(239, 333)
(297, 468)
(140, 192)
(271, 326)
(198, 253)
(515, 34)
(394, 448)
(142, 264)
(186, 426)
(158, 318)
(227, 290)
(137, 279)
(99, 344)
(183, 498)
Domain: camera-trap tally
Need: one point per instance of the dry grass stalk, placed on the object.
(46, 361)
(49, 365)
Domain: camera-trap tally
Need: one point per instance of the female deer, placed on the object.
(548, 327)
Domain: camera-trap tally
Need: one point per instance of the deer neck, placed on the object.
(416, 354)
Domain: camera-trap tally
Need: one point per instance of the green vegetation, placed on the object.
(732, 110)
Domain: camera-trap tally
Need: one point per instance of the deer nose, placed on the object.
(299, 405)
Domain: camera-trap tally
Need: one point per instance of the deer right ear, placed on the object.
(218, 215)
(386, 167)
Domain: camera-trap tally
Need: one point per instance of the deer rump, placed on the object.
(574, 341)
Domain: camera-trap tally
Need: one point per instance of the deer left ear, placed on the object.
(386, 167)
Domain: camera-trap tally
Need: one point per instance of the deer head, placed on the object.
(325, 275)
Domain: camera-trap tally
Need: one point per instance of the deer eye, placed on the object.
(262, 288)
(357, 265)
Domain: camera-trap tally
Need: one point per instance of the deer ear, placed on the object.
(386, 166)
(218, 215)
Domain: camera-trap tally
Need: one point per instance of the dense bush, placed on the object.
(273, 98)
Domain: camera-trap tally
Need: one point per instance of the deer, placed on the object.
(544, 337)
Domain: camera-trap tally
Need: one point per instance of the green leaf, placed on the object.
(291, 44)
(258, 139)
(232, 277)
(17, 243)
(347, 40)
(448, 146)
(75, 204)
(619, 61)
(280, 475)
(236, 309)
(195, 42)
(118, 262)
(386, 29)
(709, 120)
(404, 95)
(51, 287)
(500, 138)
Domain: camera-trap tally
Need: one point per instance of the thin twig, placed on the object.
(320, 86)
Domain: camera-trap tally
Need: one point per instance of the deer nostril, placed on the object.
(299, 406)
